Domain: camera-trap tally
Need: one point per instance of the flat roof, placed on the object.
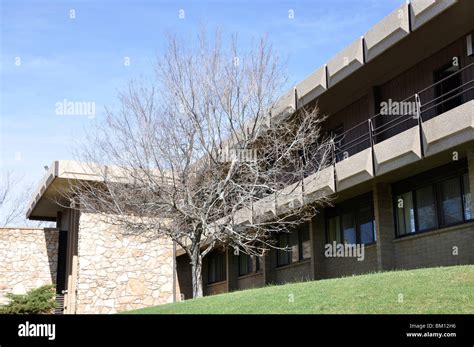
(46, 199)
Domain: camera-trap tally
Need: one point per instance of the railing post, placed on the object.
(333, 149)
(371, 139)
(420, 123)
(371, 129)
(418, 108)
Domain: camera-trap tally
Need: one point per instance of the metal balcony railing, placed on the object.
(412, 111)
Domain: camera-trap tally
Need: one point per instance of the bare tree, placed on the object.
(197, 155)
(14, 194)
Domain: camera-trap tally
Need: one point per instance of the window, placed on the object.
(366, 225)
(216, 267)
(405, 213)
(283, 256)
(298, 246)
(248, 264)
(294, 245)
(466, 198)
(425, 207)
(447, 89)
(451, 201)
(348, 228)
(351, 222)
(304, 242)
(333, 230)
(443, 199)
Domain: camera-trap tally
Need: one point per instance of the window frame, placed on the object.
(253, 264)
(429, 178)
(436, 205)
(215, 254)
(352, 206)
(289, 254)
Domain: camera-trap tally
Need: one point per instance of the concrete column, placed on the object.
(385, 228)
(318, 240)
(72, 263)
(232, 268)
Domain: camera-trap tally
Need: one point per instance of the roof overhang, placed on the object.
(48, 197)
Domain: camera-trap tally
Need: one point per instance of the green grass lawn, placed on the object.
(434, 290)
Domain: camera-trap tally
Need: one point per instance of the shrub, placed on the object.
(41, 300)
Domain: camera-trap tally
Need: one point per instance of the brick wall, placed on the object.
(385, 230)
(435, 248)
(337, 267)
(215, 288)
(297, 272)
(28, 259)
(250, 281)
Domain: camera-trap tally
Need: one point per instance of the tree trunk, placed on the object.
(196, 273)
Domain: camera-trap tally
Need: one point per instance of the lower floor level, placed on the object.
(419, 217)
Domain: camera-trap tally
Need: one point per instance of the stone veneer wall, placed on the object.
(117, 272)
(28, 259)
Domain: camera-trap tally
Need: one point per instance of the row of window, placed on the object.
(216, 266)
(294, 246)
(248, 264)
(436, 205)
(351, 222)
(432, 200)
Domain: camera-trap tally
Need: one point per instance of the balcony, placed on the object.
(319, 184)
(449, 129)
(432, 122)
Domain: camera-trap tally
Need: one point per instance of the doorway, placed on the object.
(446, 92)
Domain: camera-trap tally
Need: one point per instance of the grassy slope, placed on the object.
(434, 290)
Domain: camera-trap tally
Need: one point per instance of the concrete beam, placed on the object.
(397, 151)
(449, 129)
(422, 11)
(346, 62)
(387, 32)
(354, 170)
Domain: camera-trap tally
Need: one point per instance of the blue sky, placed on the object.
(82, 58)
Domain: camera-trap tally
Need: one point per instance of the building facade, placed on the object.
(400, 106)
(96, 266)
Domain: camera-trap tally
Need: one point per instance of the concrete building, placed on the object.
(400, 102)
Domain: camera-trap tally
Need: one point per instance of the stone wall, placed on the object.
(118, 272)
(28, 259)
